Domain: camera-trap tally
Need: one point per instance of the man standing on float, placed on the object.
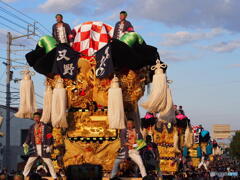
(38, 144)
(123, 26)
(61, 31)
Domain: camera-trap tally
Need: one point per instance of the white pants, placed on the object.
(135, 156)
(31, 160)
(202, 163)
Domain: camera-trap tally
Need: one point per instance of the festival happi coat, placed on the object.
(94, 86)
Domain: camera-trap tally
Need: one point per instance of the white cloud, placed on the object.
(79, 7)
(108, 5)
(184, 37)
(60, 5)
(190, 13)
(184, 13)
(9, 1)
(224, 47)
(235, 65)
(174, 56)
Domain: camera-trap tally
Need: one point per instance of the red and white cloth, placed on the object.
(195, 129)
(91, 36)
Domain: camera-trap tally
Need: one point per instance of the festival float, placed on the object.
(91, 89)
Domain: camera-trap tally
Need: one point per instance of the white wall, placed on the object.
(16, 126)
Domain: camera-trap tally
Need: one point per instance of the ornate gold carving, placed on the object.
(94, 153)
(84, 95)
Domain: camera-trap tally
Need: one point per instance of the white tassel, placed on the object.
(188, 139)
(116, 115)
(175, 141)
(27, 97)
(156, 101)
(168, 113)
(47, 105)
(59, 106)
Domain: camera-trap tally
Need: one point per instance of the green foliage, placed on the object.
(235, 146)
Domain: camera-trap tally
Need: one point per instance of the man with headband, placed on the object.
(61, 31)
(123, 26)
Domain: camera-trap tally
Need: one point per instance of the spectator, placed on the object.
(18, 177)
(3, 176)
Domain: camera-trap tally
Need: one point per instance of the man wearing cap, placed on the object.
(123, 26)
(61, 31)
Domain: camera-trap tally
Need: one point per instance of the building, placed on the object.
(19, 129)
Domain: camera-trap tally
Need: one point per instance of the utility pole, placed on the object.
(10, 39)
(8, 101)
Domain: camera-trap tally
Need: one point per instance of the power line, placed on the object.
(13, 15)
(19, 62)
(20, 12)
(44, 27)
(3, 58)
(11, 28)
(8, 20)
(2, 75)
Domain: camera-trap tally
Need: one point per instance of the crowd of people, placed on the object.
(220, 167)
(224, 164)
(13, 175)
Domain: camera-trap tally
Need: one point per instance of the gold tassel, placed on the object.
(27, 97)
(47, 104)
(59, 106)
(188, 139)
(175, 141)
(116, 115)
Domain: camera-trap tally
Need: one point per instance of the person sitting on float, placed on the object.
(129, 149)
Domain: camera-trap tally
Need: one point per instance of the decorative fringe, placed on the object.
(188, 139)
(168, 113)
(59, 106)
(175, 141)
(116, 115)
(47, 105)
(27, 97)
(156, 101)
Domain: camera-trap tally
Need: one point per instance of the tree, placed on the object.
(235, 146)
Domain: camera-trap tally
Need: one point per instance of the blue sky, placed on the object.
(199, 40)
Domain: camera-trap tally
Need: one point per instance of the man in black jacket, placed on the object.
(123, 26)
(61, 31)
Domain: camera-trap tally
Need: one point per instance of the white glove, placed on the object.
(25, 148)
(135, 145)
(25, 145)
(48, 149)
